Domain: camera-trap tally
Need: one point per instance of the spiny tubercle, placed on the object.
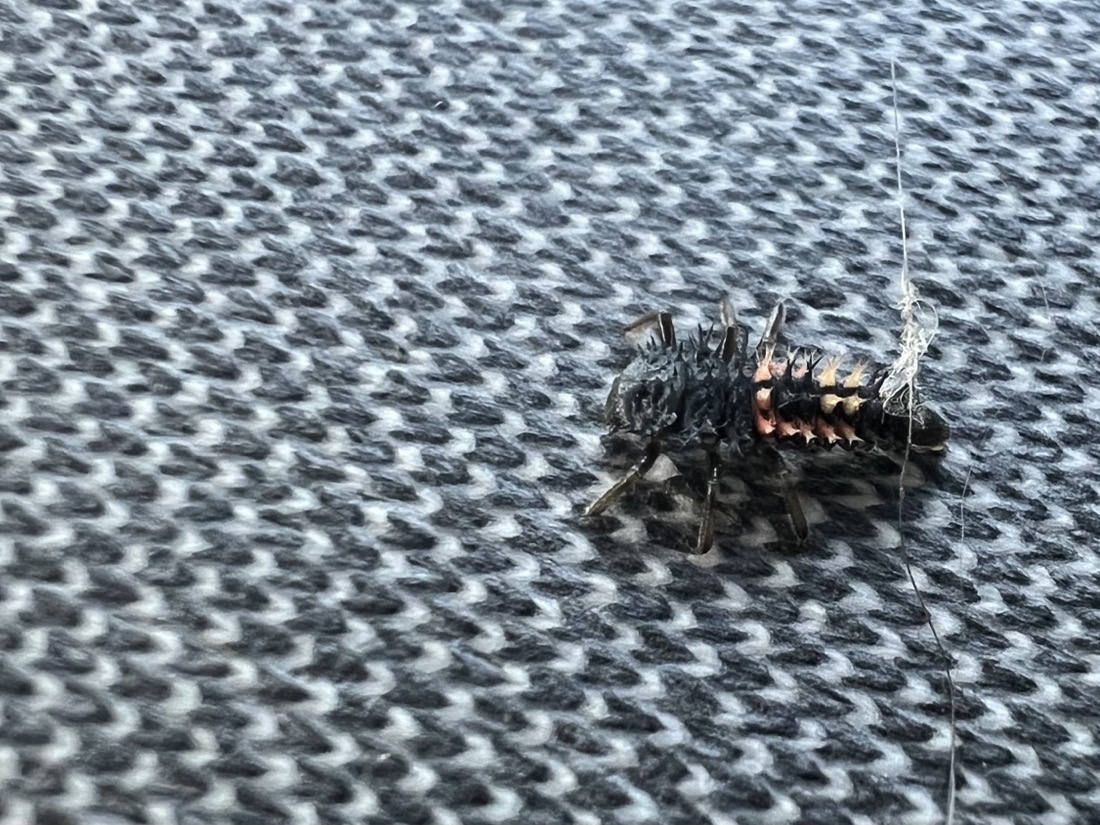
(793, 403)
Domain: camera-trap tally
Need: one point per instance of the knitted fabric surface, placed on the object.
(308, 311)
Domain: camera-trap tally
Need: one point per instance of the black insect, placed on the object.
(680, 393)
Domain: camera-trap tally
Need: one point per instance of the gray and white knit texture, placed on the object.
(307, 313)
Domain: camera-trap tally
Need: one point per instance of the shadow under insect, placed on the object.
(667, 500)
(749, 406)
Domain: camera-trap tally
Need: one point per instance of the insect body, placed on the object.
(773, 396)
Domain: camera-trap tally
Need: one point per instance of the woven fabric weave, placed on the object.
(307, 314)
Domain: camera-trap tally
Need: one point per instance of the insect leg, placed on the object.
(782, 472)
(665, 327)
(706, 527)
(644, 465)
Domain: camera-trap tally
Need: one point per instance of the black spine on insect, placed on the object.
(710, 389)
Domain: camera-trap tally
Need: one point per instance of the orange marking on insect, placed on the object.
(807, 432)
(764, 399)
(764, 425)
(848, 433)
(786, 429)
(828, 375)
(825, 430)
(799, 368)
(852, 404)
(763, 369)
(855, 378)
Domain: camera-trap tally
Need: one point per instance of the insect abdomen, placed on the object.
(799, 405)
